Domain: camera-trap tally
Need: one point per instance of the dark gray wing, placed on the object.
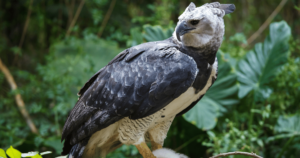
(137, 83)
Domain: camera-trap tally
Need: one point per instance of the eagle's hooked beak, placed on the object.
(182, 29)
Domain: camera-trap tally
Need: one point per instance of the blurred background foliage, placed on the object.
(253, 106)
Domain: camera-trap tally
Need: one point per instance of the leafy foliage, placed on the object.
(260, 65)
(156, 33)
(288, 124)
(286, 127)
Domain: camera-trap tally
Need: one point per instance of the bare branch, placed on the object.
(70, 8)
(106, 18)
(266, 23)
(18, 98)
(26, 24)
(237, 153)
(75, 17)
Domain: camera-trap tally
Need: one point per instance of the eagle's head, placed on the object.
(202, 27)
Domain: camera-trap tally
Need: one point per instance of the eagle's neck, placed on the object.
(204, 58)
(205, 54)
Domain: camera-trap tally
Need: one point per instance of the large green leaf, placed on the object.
(287, 126)
(221, 95)
(260, 65)
(156, 33)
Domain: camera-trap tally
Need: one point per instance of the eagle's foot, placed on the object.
(144, 150)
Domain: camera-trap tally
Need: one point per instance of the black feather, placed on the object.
(137, 83)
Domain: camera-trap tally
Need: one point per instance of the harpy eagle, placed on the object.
(136, 96)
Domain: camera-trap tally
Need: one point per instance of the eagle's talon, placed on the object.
(144, 150)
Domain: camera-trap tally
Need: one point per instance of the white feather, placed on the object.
(167, 153)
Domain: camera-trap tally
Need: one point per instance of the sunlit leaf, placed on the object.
(36, 156)
(2, 153)
(260, 65)
(13, 153)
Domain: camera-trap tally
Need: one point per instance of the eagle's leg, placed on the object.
(154, 144)
(158, 134)
(144, 150)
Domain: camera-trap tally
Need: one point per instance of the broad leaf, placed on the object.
(55, 144)
(204, 114)
(2, 153)
(288, 124)
(13, 153)
(260, 65)
(286, 127)
(221, 95)
(156, 33)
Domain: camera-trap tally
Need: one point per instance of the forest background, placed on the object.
(52, 47)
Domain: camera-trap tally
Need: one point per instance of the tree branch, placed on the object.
(18, 98)
(237, 153)
(70, 11)
(75, 17)
(106, 18)
(26, 24)
(266, 23)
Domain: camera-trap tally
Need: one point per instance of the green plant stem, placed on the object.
(187, 142)
(285, 146)
(251, 115)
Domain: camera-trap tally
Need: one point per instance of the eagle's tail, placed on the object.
(78, 149)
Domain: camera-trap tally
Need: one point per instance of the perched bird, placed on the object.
(136, 96)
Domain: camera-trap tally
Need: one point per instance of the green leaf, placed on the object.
(137, 36)
(13, 153)
(2, 153)
(298, 8)
(156, 33)
(204, 114)
(56, 144)
(287, 126)
(260, 65)
(221, 95)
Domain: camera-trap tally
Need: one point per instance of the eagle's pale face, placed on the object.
(203, 26)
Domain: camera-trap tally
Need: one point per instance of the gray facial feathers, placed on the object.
(191, 7)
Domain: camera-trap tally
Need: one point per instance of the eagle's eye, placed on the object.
(194, 22)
